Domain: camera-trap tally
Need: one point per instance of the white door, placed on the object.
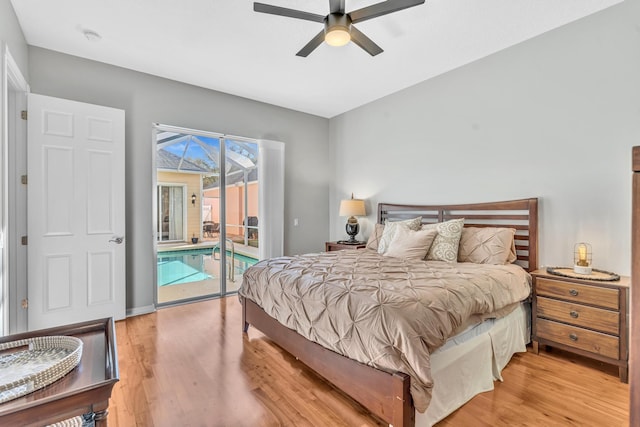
(76, 217)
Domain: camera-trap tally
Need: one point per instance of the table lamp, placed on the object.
(352, 208)
(582, 258)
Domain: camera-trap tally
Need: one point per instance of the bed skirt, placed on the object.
(468, 365)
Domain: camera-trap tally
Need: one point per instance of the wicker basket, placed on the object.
(46, 360)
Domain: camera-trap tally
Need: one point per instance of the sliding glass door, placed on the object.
(207, 213)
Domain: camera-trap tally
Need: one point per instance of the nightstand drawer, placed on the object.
(593, 295)
(580, 315)
(594, 342)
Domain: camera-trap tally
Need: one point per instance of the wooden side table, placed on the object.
(586, 317)
(86, 389)
(335, 246)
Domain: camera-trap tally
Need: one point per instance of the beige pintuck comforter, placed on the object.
(386, 312)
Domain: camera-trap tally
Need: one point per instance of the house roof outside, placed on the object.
(169, 161)
(235, 178)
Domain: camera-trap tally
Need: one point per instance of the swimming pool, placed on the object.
(176, 267)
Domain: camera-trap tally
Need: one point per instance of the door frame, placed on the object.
(13, 146)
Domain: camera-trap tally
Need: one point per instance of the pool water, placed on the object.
(178, 267)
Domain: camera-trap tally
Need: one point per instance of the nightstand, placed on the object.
(335, 246)
(586, 317)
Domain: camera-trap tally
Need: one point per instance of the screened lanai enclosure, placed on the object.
(206, 213)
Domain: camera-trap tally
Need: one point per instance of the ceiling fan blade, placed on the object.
(383, 8)
(336, 6)
(364, 42)
(290, 13)
(310, 47)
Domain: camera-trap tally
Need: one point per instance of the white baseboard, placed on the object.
(137, 311)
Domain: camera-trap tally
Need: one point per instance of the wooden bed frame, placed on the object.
(385, 394)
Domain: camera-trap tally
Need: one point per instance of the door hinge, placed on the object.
(23, 179)
(25, 303)
(23, 114)
(24, 240)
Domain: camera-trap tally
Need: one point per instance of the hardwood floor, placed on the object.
(191, 365)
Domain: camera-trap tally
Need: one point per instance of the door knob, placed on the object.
(117, 239)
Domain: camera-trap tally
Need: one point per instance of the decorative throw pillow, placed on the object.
(487, 245)
(374, 238)
(445, 245)
(411, 244)
(390, 228)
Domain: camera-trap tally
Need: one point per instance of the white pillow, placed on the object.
(390, 228)
(411, 244)
(445, 245)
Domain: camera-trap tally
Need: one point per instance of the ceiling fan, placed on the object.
(338, 29)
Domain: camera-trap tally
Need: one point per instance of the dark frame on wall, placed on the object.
(634, 335)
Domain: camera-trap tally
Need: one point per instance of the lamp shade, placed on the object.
(352, 207)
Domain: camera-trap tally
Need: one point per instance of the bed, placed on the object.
(396, 384)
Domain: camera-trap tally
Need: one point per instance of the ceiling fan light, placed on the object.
(337, 37)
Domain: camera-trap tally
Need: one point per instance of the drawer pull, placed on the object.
(573, 337)
(574, 314)
(573, 292)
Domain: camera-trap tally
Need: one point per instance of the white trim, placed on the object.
(177, 129)
(137, 311)
(199, 205)
(271, 198)
(242, 139)
(14, 75)
(4, 192)
(13, 265)
(154, 214)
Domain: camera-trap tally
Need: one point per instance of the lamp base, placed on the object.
(352, 229)
(350, 242)
(581, 270)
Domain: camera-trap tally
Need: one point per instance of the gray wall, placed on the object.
(11, 34)
(554, 117)
(148, 99)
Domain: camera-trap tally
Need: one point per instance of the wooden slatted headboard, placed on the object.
(519, 214)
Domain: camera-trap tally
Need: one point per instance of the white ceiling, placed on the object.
(225, 46)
